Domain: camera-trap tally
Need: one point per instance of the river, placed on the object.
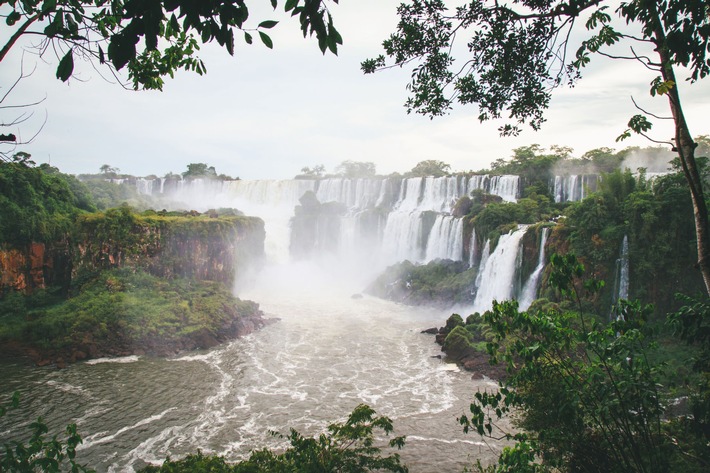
(328, 353)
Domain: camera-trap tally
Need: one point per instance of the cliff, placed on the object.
(192, 246)
(201, 247)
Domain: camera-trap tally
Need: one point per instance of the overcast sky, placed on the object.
(264, 114)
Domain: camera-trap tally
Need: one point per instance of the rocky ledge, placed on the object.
(119, 344)
(462, 349)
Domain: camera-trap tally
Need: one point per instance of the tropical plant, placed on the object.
(39, 453)
(587, 396)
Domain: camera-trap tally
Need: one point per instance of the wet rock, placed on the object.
(431, 331)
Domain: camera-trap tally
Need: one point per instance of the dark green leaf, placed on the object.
(268, 24)
(12, 18)
(248, 38)
(66, 67)
(266, 40)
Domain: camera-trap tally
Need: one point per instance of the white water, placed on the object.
(500, 270)
(573, 188)
(327, 354)
(405, 227)
(529, 291)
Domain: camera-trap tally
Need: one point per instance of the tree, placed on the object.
(108, 170)
(314, 172)
(199, 170)
(430, 167)
(356, 169)
(587, 395)
(520, 52)
(151, 39)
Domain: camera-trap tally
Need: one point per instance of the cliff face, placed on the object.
(34, 266)
(199, 247)
(203, 248)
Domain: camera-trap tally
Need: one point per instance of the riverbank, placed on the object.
(123, 313)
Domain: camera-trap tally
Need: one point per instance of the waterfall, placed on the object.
(472, 249)
(445, 239)
(573, 187)
(386, 220)
(485, 254)
(530, 289)
(621, 286)
(498, 273)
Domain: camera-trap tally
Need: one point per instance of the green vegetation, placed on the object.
(441, 282)
(588, 394)
(517, 54)
(40, 453)
(347, 447)
(122, 310)
(38, 203)
(154, 41)
(430, 167)
(355, 169)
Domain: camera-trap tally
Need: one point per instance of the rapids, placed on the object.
(328, 353)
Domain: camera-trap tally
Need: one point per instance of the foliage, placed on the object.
(692, 324)
(127, 308)
(108, 194)
(587, 396)
(38, 203)
(315, 172)
(517, 57)
(348, 447)
(657, 218)
(497, 217)
(197, 170)
(356, 169)
(40, 453)
(430, 167)
(150, 39)
(439, 282)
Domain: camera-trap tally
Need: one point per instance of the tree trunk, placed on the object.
(685, 147)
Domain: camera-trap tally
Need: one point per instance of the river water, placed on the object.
(328, 353)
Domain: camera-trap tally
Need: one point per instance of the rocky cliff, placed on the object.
(199, 247)
(194, 246)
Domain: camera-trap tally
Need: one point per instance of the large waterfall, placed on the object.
(385, 220)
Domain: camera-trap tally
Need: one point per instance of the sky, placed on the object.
(265, 114)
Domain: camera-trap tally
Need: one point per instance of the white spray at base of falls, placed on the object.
(500, 271)
(531, 286)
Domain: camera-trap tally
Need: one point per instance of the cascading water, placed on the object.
(621, 286)
(388, 220)
(498, 275)
(472, 253)
(531, 286)
(573, 188)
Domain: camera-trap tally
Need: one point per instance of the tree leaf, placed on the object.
(12, 18)
(268, 24)
(248, 38)
(66, 67)
(266, 40)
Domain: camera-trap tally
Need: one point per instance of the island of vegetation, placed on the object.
(79, 283)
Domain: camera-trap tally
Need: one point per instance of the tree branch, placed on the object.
(649, 113)
(13, 39)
